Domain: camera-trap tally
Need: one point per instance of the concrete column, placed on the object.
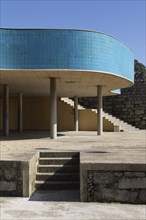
(99, 110)
(5, 110)
(76, 120)
(20, 113)
(53, 119)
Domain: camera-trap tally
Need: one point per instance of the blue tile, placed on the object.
(64, 49)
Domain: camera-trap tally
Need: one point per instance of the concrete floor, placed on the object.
(24, 209)
(129, 147)
(115, 147)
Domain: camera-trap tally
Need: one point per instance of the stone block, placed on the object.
(115, 195)
(139, 112)
(10, 173)
(132, 183)
(118, 174)
(134, 174)
(137, 119)
(138, 102)
(129, 106)
(103, 178)
(7, 186)
(128, 102)
(142, 195)
(1, 174)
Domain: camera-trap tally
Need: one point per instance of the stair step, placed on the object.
(57, 176)
(58, 161)
(58, 168)
(59, 154)
(44, 185)
(109, 117)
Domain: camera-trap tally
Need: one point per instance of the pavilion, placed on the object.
(60, 63)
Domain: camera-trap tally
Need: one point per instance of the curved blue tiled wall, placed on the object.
(64, 49)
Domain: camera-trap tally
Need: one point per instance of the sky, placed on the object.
(123, 19)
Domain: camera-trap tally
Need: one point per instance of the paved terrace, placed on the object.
(109, 148)
(118, 147)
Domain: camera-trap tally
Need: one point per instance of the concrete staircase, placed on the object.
(119, 125)
(58, 170)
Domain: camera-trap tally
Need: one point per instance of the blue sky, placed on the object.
(123, 19)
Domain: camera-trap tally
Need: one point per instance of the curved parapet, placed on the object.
(74, 56)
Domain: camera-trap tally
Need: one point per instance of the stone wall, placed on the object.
(11, 178)
(130, 105)
(17, 177)
(116, 186)
(112, 182)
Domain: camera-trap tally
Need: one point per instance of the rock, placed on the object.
(10, 173)
(134, 174)
(103, 178)
(142, 195)
(7, 186)
(135, 183)
(139, 112)
(115, 195)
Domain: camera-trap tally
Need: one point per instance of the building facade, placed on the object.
(58, 63)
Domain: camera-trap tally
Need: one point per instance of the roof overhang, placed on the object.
(70, 83)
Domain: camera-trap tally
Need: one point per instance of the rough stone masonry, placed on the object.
(116, 186)
(130, 105)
